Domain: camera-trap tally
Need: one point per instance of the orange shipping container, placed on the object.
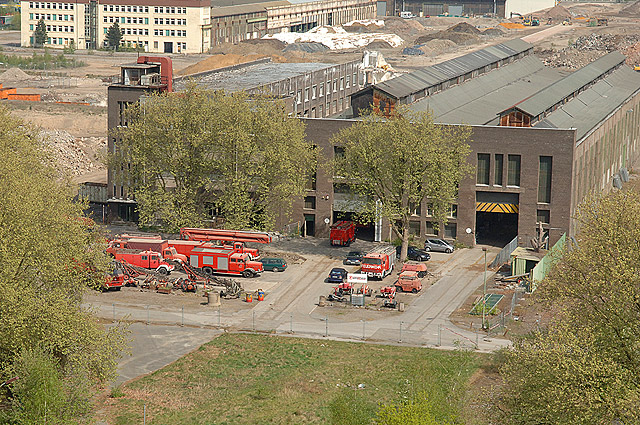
(29, 97)
(4, 93)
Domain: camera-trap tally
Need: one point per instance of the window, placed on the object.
(429, 210)
(414, 228)
(543, 216)
(341, 83)
(299, 96)
(314, 90)
(484, 160)
(513, 172)
(453, 211)
(338, 151)
(498, 166)
(544, 180)
(414, 209)
(310, 202)
(430, 228)
(321, 88)
(311, 182)
(306, 94)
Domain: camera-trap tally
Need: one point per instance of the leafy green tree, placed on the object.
(50, 255)
(114, 36)
(584, 368)
(40, 34)
(397, 163)
(199, 149)
(418, 411)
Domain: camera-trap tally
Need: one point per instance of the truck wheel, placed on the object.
(421, 274)
(163, 271)
(207, 270)
(247, 273)
(414, 290)
(398, 288)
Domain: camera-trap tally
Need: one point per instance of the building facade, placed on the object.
(153, 26)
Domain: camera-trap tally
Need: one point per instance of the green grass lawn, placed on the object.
(258, 379)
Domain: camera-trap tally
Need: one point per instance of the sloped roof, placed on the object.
(479, 101)
(244, 9)
(587, 110)
(553, 94)
(416, 81)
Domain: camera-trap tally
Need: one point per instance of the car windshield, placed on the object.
(354, 254)
(372, 261)
(336, 271)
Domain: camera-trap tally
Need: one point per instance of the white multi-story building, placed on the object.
(155, 25)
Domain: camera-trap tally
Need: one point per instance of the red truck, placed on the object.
(145, 259)
(147, 244)
(185, 248)
(343, 233)
(408, 282)
(221, 260)
(380, 262)
(193, 234)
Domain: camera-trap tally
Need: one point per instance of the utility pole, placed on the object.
(484, 290)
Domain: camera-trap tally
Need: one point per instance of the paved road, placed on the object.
(546, 33)
(291, 304)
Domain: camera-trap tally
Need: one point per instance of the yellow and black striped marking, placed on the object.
(496, 207)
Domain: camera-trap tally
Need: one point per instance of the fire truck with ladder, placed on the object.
(379, 263)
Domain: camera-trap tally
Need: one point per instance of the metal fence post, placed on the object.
(114, 311)
(291, 323)
(363, 329)
(253, 320)
(182, 324)
(400, 338)
(439, 336)
(326, 326)
(218, 315)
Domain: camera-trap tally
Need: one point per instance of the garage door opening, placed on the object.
(496, 218)
(364, 231)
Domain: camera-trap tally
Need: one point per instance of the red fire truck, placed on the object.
(380, 262)
(343, 233)
(185, 248)
(221, 260)
(147, 244)
(145, 259)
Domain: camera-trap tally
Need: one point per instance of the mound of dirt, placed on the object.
(463, 27)
(379, 44)
(437, 47)
(271, 43)
(14, 74)
(218, 61)
(400, 25)
(493, 32)
(557, 13)
(633, 10)
(306, 47)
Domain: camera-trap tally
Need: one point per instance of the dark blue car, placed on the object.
(337, 275)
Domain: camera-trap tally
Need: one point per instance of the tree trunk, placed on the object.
(405, 239)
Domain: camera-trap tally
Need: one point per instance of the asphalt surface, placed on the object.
(290, 308)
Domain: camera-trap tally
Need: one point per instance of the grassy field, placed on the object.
(257, 379)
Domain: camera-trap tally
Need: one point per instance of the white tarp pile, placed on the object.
(336, 38)
(375, 68)
(367, 23)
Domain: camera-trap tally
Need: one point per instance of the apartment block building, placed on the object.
(153, 25)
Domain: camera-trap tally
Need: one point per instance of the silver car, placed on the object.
(438, 245)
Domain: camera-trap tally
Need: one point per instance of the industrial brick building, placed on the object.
(501, 8)
(541, 140)
(307, 89)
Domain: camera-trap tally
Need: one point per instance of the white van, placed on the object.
(406, 15)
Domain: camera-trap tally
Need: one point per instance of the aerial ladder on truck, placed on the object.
(194, 234)
(232, 287)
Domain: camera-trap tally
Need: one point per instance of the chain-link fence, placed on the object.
(385, 331)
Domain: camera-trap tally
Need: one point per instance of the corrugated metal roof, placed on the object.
(592, 106)
(553, 94)
(479, 100)
(419, 80)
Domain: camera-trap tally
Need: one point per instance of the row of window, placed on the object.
(60, 6)
(55, 40)
(125, 20)
(318, 90)
(167, 9)
(170, 33)
(131, 31)
(54, 28)
(513, 173)
(129, 9)
(169, 21)
(50, 17)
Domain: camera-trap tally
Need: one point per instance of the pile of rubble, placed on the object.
(68, 154)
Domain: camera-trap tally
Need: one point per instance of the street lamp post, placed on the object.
(484, 290)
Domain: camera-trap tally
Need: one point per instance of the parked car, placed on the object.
(414, 253)
(354, 258)
(274, 264)
(337, 275)
(438, 245)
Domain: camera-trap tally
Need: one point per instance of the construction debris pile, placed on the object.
(590, 47)
(68, 153)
